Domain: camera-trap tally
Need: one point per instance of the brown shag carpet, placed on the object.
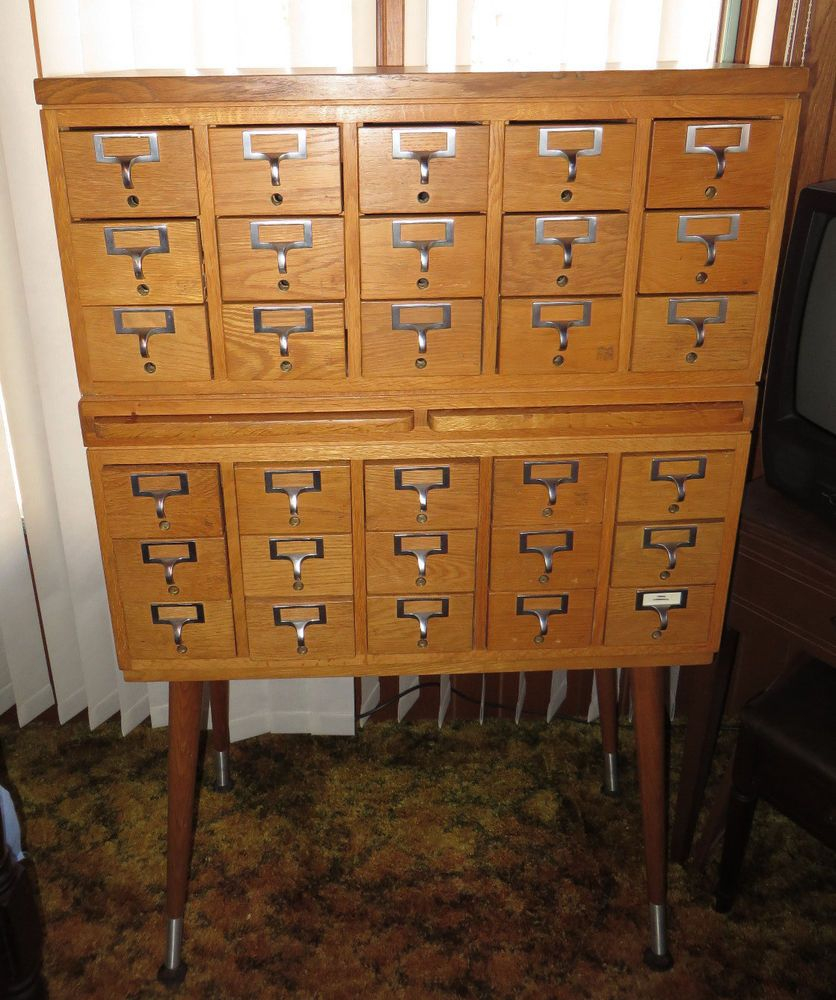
(406, 863)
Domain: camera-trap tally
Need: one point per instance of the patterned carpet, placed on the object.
(407, 863)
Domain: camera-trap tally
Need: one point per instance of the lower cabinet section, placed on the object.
(408, 624)
(316, 628)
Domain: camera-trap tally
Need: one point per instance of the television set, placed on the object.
(799, 416)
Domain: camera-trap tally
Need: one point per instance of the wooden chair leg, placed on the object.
(649, 719)
(219, 703)
(606, 681)
(741, 811)
(185, 700)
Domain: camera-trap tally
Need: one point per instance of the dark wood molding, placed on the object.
(745, 30)
(390, 32)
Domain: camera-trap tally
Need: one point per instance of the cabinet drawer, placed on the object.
(300, 258)
(587, 167)
(563, 254)
(145, 500)
(702, 252)
(424, 258)
(440, 495)
(125, 173)
(299, 629)
(198, 630)
(553, 620)
(422, 338)
(534, 491)
(276, 170)
(188, 569)
(679, 616)
(417, 562)
(543, 559)
(409, 624)
(164, 344)
(727, 164)
(285, 342)
(137, 263)
(674, 486)
(566, 335)
(294, 565)
(293, 499)
(687, 553)
(693, 333)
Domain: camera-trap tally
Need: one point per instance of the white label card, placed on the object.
(663, 599)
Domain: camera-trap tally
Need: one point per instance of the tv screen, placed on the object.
(815, 383)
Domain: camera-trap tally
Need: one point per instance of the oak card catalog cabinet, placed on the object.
(416, 373)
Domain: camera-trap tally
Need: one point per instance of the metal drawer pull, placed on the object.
(561, 325)
(571, 153)
(671, 547)
(709, 241)
(282, 247)
(168, 562)
(423, 488)
(550, 482)
(547, 551)
(422, 246)
(274, 159)
(296, 558)
(661, 602)
(719, 152)
(679, 479)
(543, 613)
(438, 608)
(194, 615)
(423, 156)
(298, 620)
(421, 552)
(159, 496)
(422, 329)
(567, 242)
(293, 490)
(699, 323)
(143, 332)
(283, 330)
(125, 160)
(137, 254)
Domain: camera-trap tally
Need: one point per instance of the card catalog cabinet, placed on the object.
(418, 374)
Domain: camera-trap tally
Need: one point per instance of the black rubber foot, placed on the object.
(172, 977)
(223, 789)
(610, 795)
(722, 904)
(659, 963)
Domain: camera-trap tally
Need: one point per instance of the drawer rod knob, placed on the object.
(661, 602)
(423, 611)
(168, 562)
(295, 617)
(297, 558)
(281, 247)
(679, 479)
(194, 615)
(421, 552)
(567, 544)
(670, 546)
(136, 253)
(543, 612)
(561, 325)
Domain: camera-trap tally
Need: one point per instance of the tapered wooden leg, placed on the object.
(219, 702)
(741, 811)
(184, 708)
(649, 716)
(606, 681)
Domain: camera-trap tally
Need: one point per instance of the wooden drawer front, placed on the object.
(698, 252)
(563, 254)
(434, 168)
(285, 342)
(293, 499)
(693, 333)
(180, 629)
(186, 569)
(553, 620)
(537, 491)
(147, 500)
(678, 616)
(545, 558)
(584, 167)
(685, 553)
(276, 170)
(547, 336)
(417, 562)
(684, 166)
(440, 495)
(292, 259)
(300, 629)
(296, 565)
(126, 173)
(674, 486)
(140, 263)
(409, 624)
(163, 344)
(422, 338)
(423, 258)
